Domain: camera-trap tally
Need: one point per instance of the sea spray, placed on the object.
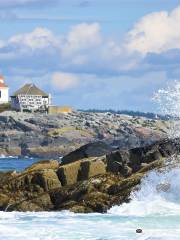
(168, 100)
(149, 200)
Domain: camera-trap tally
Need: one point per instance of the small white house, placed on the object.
(30, 98)
(4, 91)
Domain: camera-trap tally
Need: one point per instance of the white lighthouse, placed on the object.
(4, 91)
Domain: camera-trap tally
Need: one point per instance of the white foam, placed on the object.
(169, 104)
(150, 201)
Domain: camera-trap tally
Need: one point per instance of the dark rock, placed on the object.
(163, 187)
(4, 201)
(46, 179)
(127, 161)
(91, 167)
(94, 149)
(68, 174)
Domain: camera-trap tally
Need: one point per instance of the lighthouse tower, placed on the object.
(4, 91)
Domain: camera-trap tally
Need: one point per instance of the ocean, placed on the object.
(156, 212)
(15, 163)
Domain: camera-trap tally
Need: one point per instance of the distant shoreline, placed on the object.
(149, 115)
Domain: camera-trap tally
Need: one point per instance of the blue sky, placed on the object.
(92, 53)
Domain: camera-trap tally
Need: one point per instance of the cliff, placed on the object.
(51, 136)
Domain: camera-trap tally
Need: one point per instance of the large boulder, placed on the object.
(46, 164)
(81, 170)
(130, 161)
(34, 204)
(92, 167)
(46, 179)
(95, 149)
(34, 181)
(68, 174)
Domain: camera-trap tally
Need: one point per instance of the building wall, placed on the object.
(29, 102)
(4, 95)
(58, 109)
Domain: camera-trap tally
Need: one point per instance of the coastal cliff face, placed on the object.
(51, 136)
(90, 184)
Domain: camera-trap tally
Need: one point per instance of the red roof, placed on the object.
(2, 85)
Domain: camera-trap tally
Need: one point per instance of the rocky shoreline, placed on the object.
(83, 183)
(52, 136)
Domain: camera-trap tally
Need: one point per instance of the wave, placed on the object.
(2, 156)
(159, 194)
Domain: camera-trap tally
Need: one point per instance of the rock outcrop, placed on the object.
(91, 184)
(51, 136)
(94, 149)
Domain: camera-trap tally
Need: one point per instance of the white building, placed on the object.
(4, 91)
(30, 98)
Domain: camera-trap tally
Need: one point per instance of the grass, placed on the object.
(59, 131)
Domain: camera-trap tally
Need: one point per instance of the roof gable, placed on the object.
(2, 85)
(30, 89)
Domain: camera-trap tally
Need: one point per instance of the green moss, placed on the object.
(5, 107)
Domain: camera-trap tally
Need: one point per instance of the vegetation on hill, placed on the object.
(131, 113)
(5, 107)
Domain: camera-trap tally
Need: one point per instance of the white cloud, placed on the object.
(38, 39)
(64, 81)
(83, 45)
(82, 36)
(156, 32)
(83, 49)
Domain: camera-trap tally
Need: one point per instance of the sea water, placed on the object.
(16, 163)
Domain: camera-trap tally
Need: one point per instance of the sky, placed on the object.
(92, 53)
